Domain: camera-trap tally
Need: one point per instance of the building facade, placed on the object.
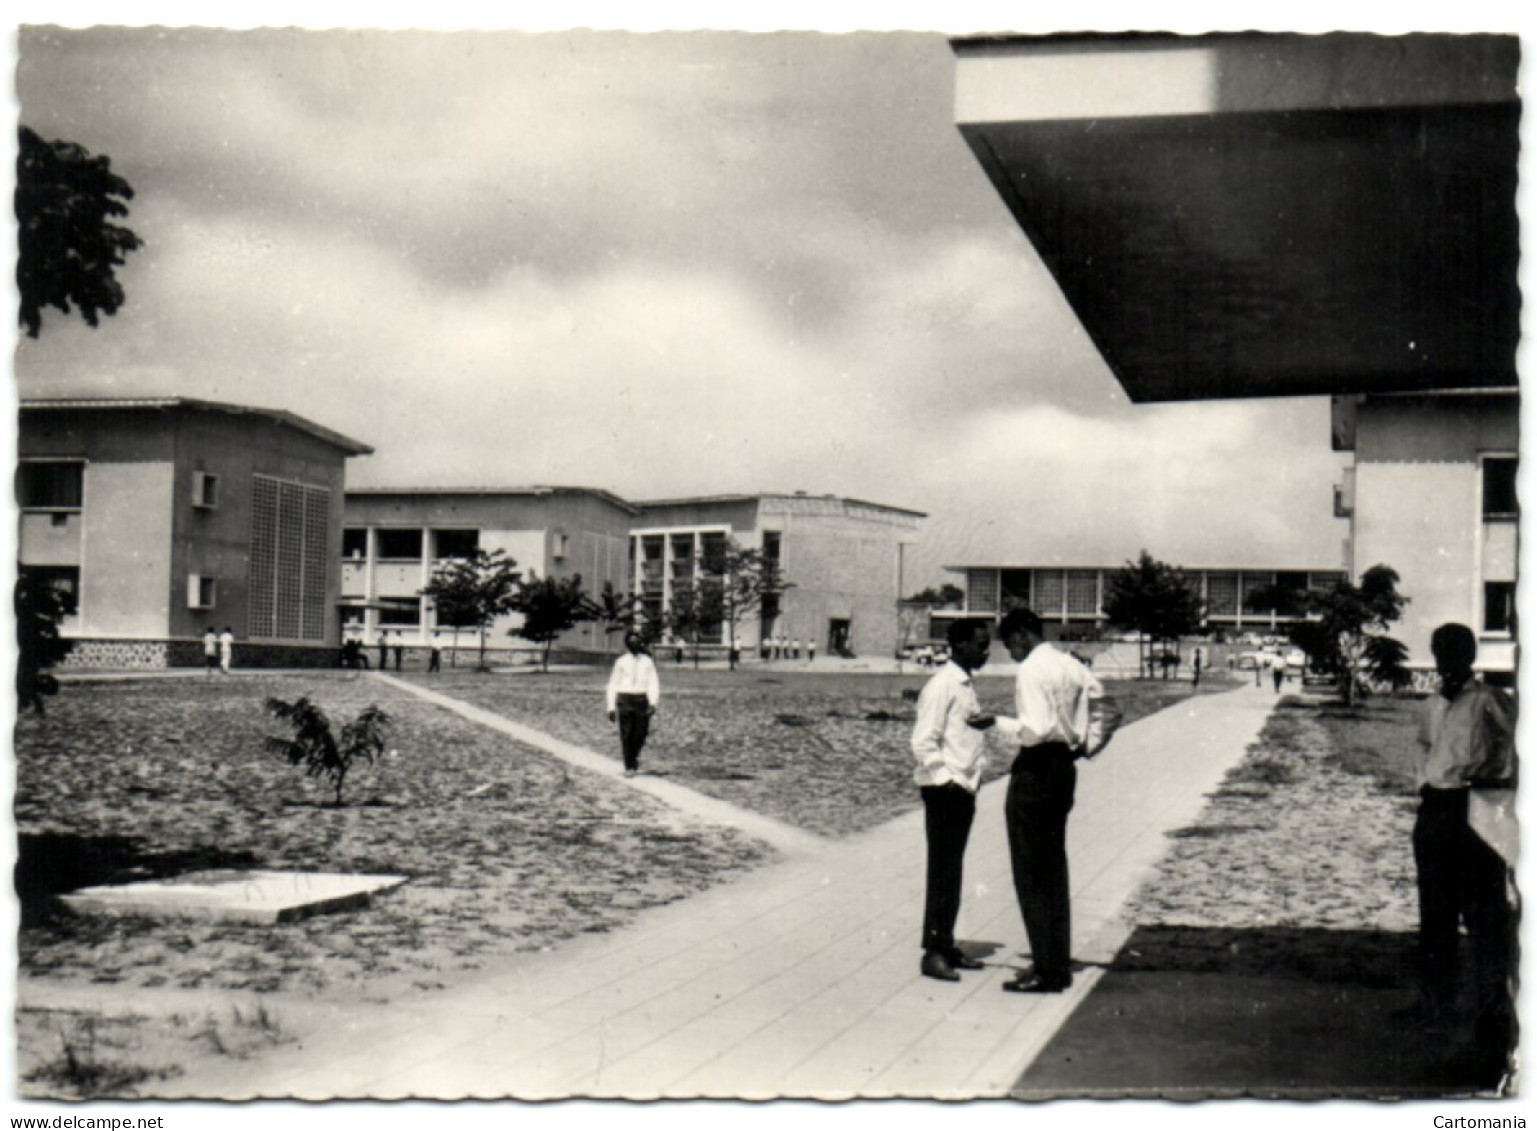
(395, 537)
(159, 518)
(1433, 494)
(1071, 602)
(841, 560)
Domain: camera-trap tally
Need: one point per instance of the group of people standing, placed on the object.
(782, 648)
(218, 650)
(1052, 729)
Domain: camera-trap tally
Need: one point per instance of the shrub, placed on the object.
(317, 749)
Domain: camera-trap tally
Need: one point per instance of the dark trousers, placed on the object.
(1040, 797)
(434, 660)
(947, 814)
(634, 711)
(1461, 880)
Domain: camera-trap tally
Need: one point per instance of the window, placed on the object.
(981, 591)
(1500, 501)
(202, 592)
(1222, 594)
(205, 490)
(1082, 593)
(458, 544)
(400, 617)
(355, 543)
(1499, 606)
(559, 545)
(1050, 592)
(771, 540)
(50, 485)
(399, 545)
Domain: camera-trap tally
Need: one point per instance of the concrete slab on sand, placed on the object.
(232, 895)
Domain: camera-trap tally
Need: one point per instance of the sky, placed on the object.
(662, 264)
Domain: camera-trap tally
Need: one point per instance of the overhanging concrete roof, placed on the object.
(1261, 215)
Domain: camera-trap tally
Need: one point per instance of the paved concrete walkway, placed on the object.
(798, 980)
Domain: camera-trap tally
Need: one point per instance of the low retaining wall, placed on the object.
(153, 655)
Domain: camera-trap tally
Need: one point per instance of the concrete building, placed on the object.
(394, 538)
(1259, 215)
(161, 517)
(1433, 494)
(1071, 601)
(842, 559)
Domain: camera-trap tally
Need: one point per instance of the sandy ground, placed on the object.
(508, 849)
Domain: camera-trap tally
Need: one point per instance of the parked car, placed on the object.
(925, 655)
(1296, 660)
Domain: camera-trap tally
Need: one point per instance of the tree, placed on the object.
(619, 611)
(551, 606)
(41, 607)
(68, 248)
(317, 749)
(472, 592)
(691, 611)
(947, 596)
(1150, 598)
(1344, 628)
(733, 583)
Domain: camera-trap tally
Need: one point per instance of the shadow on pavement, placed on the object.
(1191, 1013)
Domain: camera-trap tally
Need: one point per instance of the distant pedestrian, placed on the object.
(763, 648)
(226, 649)
(1278, 670)
(1195, 668)
(795, 648)
(811, 651)
(950, 747)
(1467, 744)
(400, 649)
(210, 651)
(435, 654)
(632, 697)
(384, 649)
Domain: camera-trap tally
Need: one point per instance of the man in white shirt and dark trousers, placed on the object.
(1052, 692)
(633, 693)
(1467, 744)
(948, 742)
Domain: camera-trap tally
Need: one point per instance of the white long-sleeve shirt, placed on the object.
(1051, 695)
(633, 675)
(946, 748)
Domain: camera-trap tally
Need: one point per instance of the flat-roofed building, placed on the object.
(396, 536)
(160, 517)
(842, 559)
(1071, 601)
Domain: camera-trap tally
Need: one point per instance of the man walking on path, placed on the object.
(226, 649)
(949, 744)
(210, 651)
(1052, 692)
(435, 653)
(633, 694)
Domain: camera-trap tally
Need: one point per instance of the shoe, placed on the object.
(961, 960)
(936, 965)
(1038, 984)
(630, 773)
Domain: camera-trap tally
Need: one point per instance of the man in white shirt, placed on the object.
(1467, 742)
(633, 694)
(948, 743)
(1052, 692)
